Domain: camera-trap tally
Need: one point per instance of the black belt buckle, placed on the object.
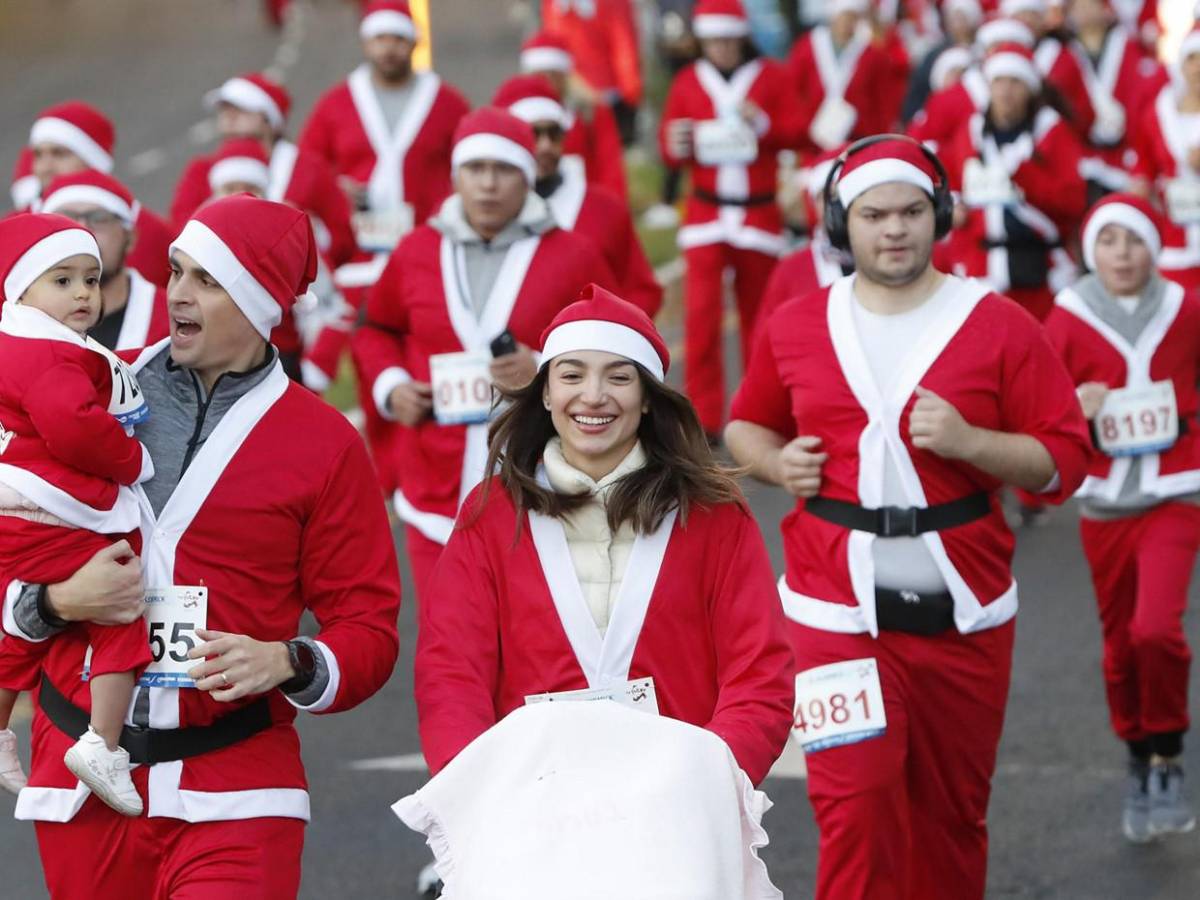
(896, 521)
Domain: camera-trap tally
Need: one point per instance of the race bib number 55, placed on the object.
(837, 704)
(173, 615)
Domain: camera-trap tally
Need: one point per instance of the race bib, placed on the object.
(984, 185)
(1110, 118)
(127, 403)
(1138, 420)
(380, 231)
(838, 704)
(831, 126)
(173, 615)
(637, 695)
(1183, 200)
(727, 141)
(462, 387)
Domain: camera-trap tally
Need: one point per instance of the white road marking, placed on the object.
(405, 762)
(147, 161)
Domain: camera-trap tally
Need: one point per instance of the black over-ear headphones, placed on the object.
(835, 213)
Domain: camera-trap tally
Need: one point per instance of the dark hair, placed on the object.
(680, 470)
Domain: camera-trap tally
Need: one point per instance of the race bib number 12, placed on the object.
(173, 615)
(837, 704)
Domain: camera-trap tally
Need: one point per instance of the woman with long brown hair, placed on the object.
(609, 553)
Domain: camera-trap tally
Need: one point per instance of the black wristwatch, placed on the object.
(304, 662)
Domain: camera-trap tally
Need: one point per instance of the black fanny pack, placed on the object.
(897, 521)
(148, 746)
(914, 612)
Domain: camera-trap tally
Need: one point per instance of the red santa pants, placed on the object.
(47, 554)
(903, 816)
(1141, 566)
(704, 313)
(103, 855)
(423, 555)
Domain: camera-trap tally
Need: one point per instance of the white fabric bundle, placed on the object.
(594, 801)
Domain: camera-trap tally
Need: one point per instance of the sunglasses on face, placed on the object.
(552, 132)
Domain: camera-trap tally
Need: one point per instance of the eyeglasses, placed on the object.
(95, 218)
(553, 132)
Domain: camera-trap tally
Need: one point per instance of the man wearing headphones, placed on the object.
(895, 403)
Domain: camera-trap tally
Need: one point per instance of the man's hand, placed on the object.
(679, 138)
(411, 402)
(108, 589)
(1091, 397)
(800, 466)
(936, 425)
(514, 370)
(236, 665)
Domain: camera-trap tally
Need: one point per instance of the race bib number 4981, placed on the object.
(840, 703)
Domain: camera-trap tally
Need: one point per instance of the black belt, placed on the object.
(716, 199)
(157, 745)
(914, 612)
(897, 521)
(1019, 244)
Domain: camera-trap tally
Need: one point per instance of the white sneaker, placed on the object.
(12, 776)
(660, 217)
(105, 771)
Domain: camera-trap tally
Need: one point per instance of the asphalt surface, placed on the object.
(1060, 779)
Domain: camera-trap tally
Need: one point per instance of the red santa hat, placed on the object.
(1003, 31)
(1010, 8)
(531, 98)
(32, 243)
(546, 51)
(971, 10)
(79, 127)
(1190, 44)
(720, 19)
(387, 17)
(1012, 61)
(600, 320)
(491, 133)
(1128, 211)
(95, 189)
(25, 186)
(254, 92)
(899, 159)
(262, 253)
(240, 161)
(948, 60)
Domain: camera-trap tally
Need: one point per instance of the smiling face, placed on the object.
(891, 233)
(596, 402)
(69, 292)
(1124, 263)
(209, 333)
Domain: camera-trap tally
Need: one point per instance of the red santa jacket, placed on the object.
(594, 138)
(1164, 141)
(298, 177)
(408, 166)
(818, 74)
(415, 311)
(603, 38)
(1063, 70)
(244, 526)
(146, 318)
(150, 253)
(798, 274)
(1168, 349)
(751, 219)
(1043, 163)
(697, 612)
(939, 120)
(60, 446)
(989, 359)
(1140, 18)
(597, 213)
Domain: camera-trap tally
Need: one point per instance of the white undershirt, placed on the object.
(1129, 304)
(901, 563)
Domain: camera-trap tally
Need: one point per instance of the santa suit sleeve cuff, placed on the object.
(389, 379)
(147, 466)
(22, 614)
(321, 691)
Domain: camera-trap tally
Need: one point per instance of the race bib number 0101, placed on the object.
(638, 694)
(1139, 420)
(173, 616)
(838, 704)
(462, 387)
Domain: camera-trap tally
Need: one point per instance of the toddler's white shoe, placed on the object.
(12, 776)
(105, 771)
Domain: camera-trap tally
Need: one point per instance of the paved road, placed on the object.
(1053, 815)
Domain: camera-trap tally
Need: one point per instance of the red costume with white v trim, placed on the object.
(146, 318)
(415, 311)
(901, 814)
(593, 136)
(245, 526)
(410, 165)
(1165, 140)
(696, 612)
(1141, 562)
(595, 212)
(944, 112)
